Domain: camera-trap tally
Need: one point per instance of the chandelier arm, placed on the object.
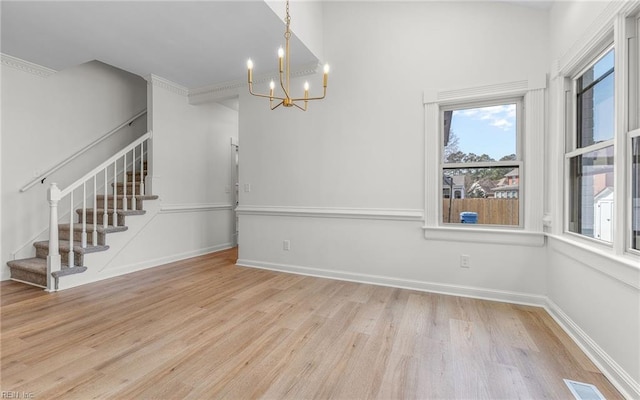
(286, 92)
(264, 95)
(309, 98)
(324, 94)
(303, 109)
(277, 105)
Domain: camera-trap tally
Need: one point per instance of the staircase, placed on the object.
(86, 235)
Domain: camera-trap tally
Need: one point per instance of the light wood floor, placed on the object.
(204, 328)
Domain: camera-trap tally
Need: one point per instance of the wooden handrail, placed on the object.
(77, 154)
(105, 164)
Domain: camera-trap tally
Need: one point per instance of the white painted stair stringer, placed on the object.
(99, 264)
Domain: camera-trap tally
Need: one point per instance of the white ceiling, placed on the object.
(192, 43)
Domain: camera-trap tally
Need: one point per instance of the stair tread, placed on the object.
(110, 210)
(77, 227)
(34, 264)
(39, 266)
(129, 196)
(64, 246)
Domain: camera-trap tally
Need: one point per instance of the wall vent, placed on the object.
(584, 391)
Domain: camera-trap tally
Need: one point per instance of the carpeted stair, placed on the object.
(34, 270)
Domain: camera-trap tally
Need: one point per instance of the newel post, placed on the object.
(53, 258)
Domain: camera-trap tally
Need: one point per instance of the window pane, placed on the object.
(596, 113)
(598, 70)
(635, 196)
(591, 194)
(480, 134)
(481, 195)
(595, 97)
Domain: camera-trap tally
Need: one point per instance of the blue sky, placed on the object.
(486, 130)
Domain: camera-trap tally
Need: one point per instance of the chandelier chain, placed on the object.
(287, 19)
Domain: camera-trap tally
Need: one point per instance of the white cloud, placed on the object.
(503, 116)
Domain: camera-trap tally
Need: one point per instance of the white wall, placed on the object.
(344, 182)
(592, 292)
(46, 117)
(191, 169)
(306, 22)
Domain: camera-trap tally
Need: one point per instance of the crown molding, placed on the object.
(26, 66)
(173, 87)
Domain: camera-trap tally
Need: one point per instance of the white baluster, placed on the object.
(94, 237)
(124, 179)
(142, 168)
(71, 225)
(133, 180)
(115, 192)
(105, 205)
(53, 258)
(84, 214)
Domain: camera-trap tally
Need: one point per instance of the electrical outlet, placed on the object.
(286, 245)
(247, 187)
(465, 261)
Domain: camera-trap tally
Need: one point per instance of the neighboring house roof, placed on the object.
(604, 194)
(513, 172)
(506, 188)
(456, 180)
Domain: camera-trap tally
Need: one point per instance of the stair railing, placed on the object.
(80, 152)
(114, 171)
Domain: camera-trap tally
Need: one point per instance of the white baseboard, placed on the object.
(455, 290)
(130, 268)
(629, 388)
(618, 376)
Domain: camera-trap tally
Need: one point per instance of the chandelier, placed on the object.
(285, 77)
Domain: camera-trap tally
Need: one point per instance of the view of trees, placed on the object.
(475, 178)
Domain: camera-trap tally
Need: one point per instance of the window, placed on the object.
(635, 192)
(481, 163)
(591, 161)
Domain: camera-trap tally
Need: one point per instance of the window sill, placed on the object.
(484, 235)
(624, 268)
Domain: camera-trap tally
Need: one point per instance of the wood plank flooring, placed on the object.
(206, 329)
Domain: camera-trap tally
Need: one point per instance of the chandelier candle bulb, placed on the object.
(281, 59)
(250, 70)
(325, 78)
(272, 85)
(306, 90)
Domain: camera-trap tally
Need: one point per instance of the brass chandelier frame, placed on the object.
(285, 77)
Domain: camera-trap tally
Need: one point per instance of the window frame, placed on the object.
(517, 163)
(573, 131)
(621, 33)
(533, 91)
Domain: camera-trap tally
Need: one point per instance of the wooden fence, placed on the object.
(490, 211)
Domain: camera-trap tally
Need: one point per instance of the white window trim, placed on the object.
(519, 103)
(629, 206)
(619, 29)
(571, 140)
(531, 153)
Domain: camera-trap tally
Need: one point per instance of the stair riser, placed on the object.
(139, 203)
(130, 177)
(77, 236)
(119, 218)
(27, 276)
(78, 259)
(120, 189)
